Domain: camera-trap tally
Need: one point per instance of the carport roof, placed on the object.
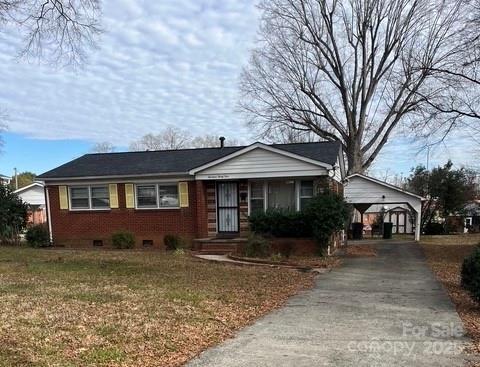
(386, 184)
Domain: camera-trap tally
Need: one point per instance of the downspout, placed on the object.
(49, 216)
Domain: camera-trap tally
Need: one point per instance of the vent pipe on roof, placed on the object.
(222, 141)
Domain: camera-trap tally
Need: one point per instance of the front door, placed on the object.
(227, 207)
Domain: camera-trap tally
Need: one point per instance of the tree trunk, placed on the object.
(355, 159)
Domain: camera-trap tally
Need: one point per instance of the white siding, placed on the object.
(259, 163)
(361, 190)
(338, 172)
(33, 195)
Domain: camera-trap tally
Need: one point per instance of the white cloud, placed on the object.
(159, 63)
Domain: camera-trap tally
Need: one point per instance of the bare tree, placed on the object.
(210, 141)
(286, 135)
(57, 31)
(457, 107)
(353, 70)
(172, 138)
(169, 138)
(103, 147)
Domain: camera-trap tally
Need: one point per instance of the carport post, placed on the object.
(418, 223)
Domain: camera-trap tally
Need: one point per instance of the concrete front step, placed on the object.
(218, 246)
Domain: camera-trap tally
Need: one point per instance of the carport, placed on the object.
(363, 191)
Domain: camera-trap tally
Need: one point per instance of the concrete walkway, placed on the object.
(382, 311)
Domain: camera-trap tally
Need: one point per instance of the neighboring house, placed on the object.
(34, 196)
(400, 215)
(4, 180)
(194, 193)
(468, 220)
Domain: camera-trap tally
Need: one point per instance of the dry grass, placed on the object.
(328, 262)
(445, 255)
(130, 308)
(460, 239)
(360, 250)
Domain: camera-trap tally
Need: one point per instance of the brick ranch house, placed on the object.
(194, 193)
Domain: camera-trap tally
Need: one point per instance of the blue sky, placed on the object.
(158, 63)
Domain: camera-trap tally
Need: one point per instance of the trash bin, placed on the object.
(357, 230)
(387, 230)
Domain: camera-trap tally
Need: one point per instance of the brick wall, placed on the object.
(243, 207)
(211, 208)
(80, 228)
(322, 183)
(199, 220)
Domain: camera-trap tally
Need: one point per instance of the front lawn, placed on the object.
(126, 308)
(445, 255)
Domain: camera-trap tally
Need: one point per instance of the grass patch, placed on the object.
(445, 255)
(136, 308)
(459, 239)
(100, 356)
(93, 297)
(361, 251)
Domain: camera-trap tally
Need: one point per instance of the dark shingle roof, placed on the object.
(172, 161)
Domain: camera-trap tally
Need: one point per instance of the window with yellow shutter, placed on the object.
(183, 194)
(129, 196)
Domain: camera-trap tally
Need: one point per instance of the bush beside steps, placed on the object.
(471, 274)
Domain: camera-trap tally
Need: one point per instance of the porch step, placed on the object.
(218, 246)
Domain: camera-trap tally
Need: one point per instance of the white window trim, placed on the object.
(90, 208)
(265, 192)
(156, 184)
(300, 193)
(298, 183)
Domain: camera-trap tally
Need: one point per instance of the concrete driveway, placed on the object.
(383, 311)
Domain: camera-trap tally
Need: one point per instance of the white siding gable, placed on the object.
(33, 195)
(258, 163)
(360, 190)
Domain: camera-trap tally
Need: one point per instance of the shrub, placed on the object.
(123, 240)
(276, 257)
(471, 274)
(280, 223)
(257, 246)
(173, 242)
(432, 228)
(179, 252)
(13, 215)
(37, 236)
(327, 213)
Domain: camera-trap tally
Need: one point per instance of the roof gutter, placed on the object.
(79, 178)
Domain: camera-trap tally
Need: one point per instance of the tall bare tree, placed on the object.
(354, 70)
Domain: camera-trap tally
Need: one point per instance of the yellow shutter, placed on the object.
(183, 194)
(129, 197)
(112, 188)
(63, 197)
